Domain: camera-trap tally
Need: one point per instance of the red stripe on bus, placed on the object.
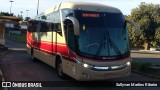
(63, 50)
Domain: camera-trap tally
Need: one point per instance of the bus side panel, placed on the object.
(47, 48)
(68, 63)
(62, 50)
(29, 42)
(45, 57)
(46, 42)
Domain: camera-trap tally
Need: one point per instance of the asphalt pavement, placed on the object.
(146, 56)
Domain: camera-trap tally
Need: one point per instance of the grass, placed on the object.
(18, 38)
(144, 68)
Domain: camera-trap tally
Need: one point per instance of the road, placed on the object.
(16, 65)
(142, 56)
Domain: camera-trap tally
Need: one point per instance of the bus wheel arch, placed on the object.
(59, 67)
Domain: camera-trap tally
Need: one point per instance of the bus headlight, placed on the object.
(87, 66)
(128, 63)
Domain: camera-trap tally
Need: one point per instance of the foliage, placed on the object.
(5, 14)
(157, 34)
(18, 38)
(148, 18)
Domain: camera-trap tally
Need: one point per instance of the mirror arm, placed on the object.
(137, 28)
(76, 25)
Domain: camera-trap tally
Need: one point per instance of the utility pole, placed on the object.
(11, 6)
(21, 13)
(37, 7)
(27, 12)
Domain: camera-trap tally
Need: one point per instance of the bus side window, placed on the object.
(35, 26)
(32, 26)
(57, 24)
(44, 27)
(52, 26)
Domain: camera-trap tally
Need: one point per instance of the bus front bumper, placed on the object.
(85, 74)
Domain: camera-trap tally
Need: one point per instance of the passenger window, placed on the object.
(33, 26)
(44, 27)
(57, 24)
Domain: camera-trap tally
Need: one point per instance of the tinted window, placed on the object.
(68, 28)
(57, 24)
(44, 27)
(33, 26)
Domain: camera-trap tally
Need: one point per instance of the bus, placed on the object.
(23, 25)
(86, 41)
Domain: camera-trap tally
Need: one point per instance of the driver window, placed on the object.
(69, 33)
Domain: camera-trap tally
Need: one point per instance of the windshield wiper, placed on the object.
(100, 47)
(111, 43)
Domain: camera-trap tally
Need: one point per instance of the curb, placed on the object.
(4, 53)
(147, 51)
(145, 74)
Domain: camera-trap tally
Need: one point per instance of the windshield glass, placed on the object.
(102, 34)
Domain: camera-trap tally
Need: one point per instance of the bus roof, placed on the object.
(83, 6)
(89, 6)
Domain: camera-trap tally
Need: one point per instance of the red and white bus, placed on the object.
(86, 41)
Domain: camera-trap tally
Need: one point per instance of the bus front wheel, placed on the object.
(59, 69)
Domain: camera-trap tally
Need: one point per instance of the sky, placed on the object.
(22, 5)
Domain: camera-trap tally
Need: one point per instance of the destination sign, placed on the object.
(90, 15)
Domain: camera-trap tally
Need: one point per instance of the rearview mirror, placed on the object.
(137, 29)
(75, 25)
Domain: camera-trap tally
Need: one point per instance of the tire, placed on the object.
(32, 56)
(59, 69)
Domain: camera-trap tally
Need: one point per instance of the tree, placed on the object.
(5, 14)
(157, 36)
(148, 18)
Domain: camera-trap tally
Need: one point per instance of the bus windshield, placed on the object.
(102, 35)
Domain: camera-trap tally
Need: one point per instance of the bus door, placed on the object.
(69, 35)
(69, 32)
(58, 35)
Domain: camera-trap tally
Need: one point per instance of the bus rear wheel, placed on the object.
(59, 69)
(32, 56)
